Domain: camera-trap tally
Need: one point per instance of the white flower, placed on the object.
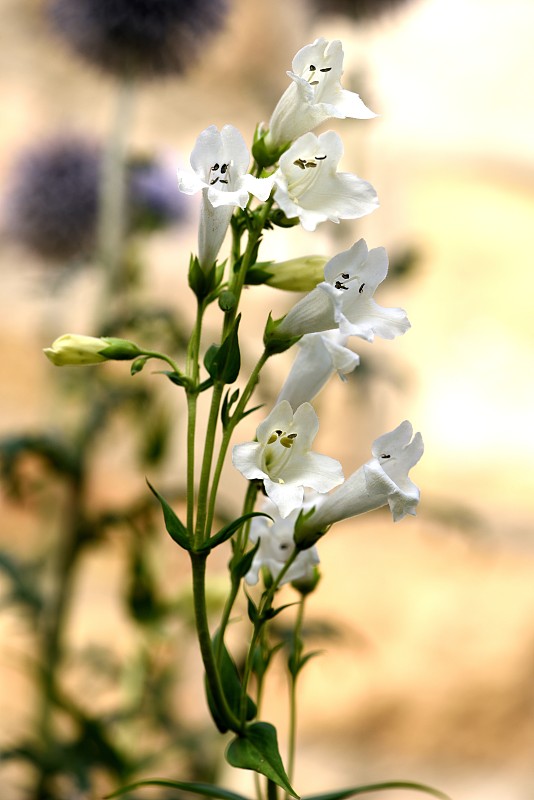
(276, 546)
(309, 187)
(345, 299)
(382, 480)
(220, 162)
(319, 356)
(282, 458)
(315, 94)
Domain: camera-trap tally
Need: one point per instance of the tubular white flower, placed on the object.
(219, 164)
(276, 546)
(309, 187)
(345, 299)
(319, 356)
(314, 95)
(382, 480)
(282, 458)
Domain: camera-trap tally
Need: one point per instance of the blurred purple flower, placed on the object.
(51, 205)
(155, 201)
(138, 38)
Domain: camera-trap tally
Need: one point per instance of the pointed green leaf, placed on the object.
(176, 529)
(343, 794)
(228, 531)
(224, 362)
(231, 684)
(240, 566)
(258, 750)
(204, 789)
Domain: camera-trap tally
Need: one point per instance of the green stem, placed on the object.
(202, 529)
(297, 646)
(198, 564)
(227, 435)
(272, 790)
(192, 372)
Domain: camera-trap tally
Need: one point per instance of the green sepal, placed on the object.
(262, 658)
(264, 156)
(176, 529)
(257, 749)
(204, 282)
(227, 300)
(119, 349)
(231, 685)
(223, 362)
(176, 377)
(256, 276)
(228, 531)
(204, 789)
(252, 610)
(138, 365)
(306, 539)
(343, 794)
(278, 218)
(239, 566)
(273, 342)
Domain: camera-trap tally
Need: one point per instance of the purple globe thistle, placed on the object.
(138, 38)
(51, 206)
(153, 197)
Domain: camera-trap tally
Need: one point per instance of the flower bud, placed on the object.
(308, 583)
(295, 275)
(74, 349)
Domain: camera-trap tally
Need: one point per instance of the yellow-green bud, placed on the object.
(296, 275)
(73, 349)
(307, 585)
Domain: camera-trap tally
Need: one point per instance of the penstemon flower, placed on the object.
(219, 162)
(282, 458)
(314, 95)
(384, 480)
(319, 356)
(310, 188)
(276, 546)
(345, 299)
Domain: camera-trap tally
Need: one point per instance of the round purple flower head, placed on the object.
(138, 38)
(51, 205)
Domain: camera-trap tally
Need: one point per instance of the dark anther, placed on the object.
(215, 181)
(339, 285)
(223, 181)
(314, 83)
(345, 276)
(215, 166)
(320, 158)
(310, 164)
(224, 168)
(312, 68)
(384, 456)
(283, 546)
(325, 69)
(278, 432)
(291, 435)
(361, 288)
(299, 163)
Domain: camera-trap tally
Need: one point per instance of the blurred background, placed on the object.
(428, 624)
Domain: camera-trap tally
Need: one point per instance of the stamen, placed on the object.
(215, 167)
(320, 158)
(292, 435)
(345, 276)
(300, 163)
(339, 285)
(310, 164)
(383, 455)
(214, 181)
(312, 68)
(325, 69)
(361, 288)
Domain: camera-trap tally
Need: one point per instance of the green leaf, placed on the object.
(176, 529)
(342, 794)
(204, 789)
(175, 377)
(228, 531)
(231, 684)
(257, 749)
(240, 566)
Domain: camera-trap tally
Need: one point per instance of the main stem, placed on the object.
(297, 644)
(198, 564)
